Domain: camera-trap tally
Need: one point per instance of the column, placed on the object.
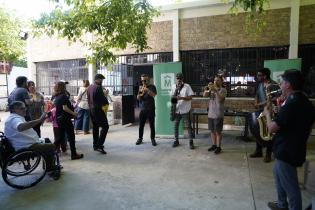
(175, 35)
(294, 29)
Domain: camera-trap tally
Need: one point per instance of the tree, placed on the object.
(11, 44)
(113, 24)
(255, 13)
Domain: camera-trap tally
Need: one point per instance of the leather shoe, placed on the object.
(139, 141)
(267, 158)
(256, 155)
(274, 206)
(191, 144)
(176, 143)
(77, 156)
(153, 142)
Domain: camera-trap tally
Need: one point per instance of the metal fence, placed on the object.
(239, 67)
(72, 71)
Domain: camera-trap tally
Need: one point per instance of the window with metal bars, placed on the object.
(238, 66)
(72, 71)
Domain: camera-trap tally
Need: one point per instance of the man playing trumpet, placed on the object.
(146, 96)
(217, 95)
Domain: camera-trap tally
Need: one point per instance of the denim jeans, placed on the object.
(186, 118)
(83, 120)
(286, 180)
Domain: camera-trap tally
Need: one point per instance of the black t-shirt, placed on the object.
(295, 120)
(59, 101)
(147, 101)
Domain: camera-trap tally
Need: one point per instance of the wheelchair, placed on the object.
(24, 168)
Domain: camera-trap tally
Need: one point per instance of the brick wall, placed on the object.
(236, 104)
(160, 39)
(228, 31)
(307, 25)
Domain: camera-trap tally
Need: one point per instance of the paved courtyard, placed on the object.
(147, 177)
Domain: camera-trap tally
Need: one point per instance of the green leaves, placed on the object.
(255, 14)
(11, 44)
(113, 24)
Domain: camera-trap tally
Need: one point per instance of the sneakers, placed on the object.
(101, 150)
(274, 206)
(153, 142)
(77, 156)
(256, 154)
(139, 141)
(176, 143)
(217, 150)
(191, 144)
(212, 148)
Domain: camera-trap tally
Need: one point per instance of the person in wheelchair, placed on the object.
(20, 133)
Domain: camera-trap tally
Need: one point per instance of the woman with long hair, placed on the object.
(83, 119)
(64, 114)
(36, 108)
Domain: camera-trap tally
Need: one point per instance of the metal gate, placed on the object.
(72, 71)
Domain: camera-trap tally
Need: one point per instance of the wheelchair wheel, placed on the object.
(24, 169)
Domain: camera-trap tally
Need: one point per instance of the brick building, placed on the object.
(205, 38)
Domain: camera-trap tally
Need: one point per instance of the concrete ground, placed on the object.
(147, 177)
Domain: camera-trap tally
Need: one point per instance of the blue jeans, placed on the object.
(286, 180)
(83, 120)
(186, 118)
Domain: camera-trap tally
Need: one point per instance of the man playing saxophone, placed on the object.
(292, 127)
(146, 96)
(217, 95)
(183, 92)
(266, 84)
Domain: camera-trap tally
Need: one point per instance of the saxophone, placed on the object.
(262, 120)
(174, 101)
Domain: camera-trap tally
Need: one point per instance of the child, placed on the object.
(53, 119)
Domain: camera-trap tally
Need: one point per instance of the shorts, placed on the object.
(215, 124)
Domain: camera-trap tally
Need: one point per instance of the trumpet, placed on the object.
(141, 90)
(209, 87)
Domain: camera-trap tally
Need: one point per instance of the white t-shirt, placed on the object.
(183, 106)
(19, 139)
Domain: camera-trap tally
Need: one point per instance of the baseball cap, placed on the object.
(179, 75)
(66, 82)
(99, 76)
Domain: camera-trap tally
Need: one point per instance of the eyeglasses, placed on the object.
(179, 78)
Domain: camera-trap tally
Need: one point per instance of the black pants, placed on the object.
(144, 115)
(259, 148)
(66, 127)
(99, 119)
(48, 151)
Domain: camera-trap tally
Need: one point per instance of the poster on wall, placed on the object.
(164, 78)
(277, 67)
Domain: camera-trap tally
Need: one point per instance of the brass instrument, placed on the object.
(210, 86)
(262, 120)
(141, 90)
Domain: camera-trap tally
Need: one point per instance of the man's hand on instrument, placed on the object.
(266, 111)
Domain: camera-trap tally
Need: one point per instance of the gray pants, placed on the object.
(186, 119)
